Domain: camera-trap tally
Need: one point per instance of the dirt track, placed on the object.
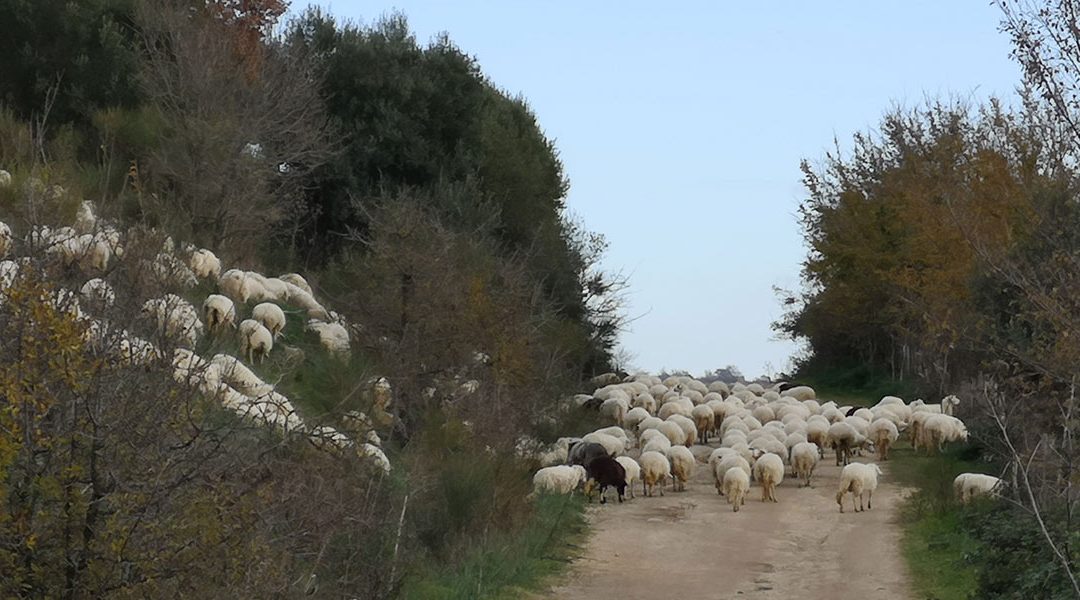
(691, 545)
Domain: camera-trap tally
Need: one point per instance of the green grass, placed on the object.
(936, 545)
(508, 564)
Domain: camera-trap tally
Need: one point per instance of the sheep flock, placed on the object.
(661, 431)
(92, 247)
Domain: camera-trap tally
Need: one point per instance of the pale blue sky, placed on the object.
(681, 128)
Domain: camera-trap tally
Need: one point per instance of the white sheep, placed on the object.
(175, 318)
(560, 479)
(613, 445)
(9, 270)
(255, 340)
(843, 439)
(5, 179)
(769, 471)
(704, 418)
(332, 336)
(736, 486)
(219, 312)
(271, 316)
(167, 269)
(804, 457)
(655, 469)
(205, 264)
(723, 465)
(85, 219)
(883, 433)
(800, 393)
(939, 429)
(970, 485)
(240, 377)
(298, 281)
(949, 404)
(5, 238)
(645, 402)
(614, 409)
(688, 427)
(656, 444)
(633, 471)
(372, 451)
(673, 432)
(634, 417)
(860, 479)
(674, 408)
(682, 466)
(97, 292)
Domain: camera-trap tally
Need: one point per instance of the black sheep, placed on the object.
(582, 453)
(606, 471)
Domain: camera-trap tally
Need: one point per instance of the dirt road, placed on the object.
(691, 545)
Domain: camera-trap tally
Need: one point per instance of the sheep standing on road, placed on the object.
(633, 471)
(736, 486)
(769, 471)
(655, 469)
(859, 479)
(804, 457)
(603, 472)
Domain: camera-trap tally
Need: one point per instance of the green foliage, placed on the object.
(904, 229)
(84, 49)
(1014, 559)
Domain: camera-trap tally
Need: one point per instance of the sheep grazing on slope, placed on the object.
(219, 312)
(333, 337)
(633, 471)
(860, 479)
(298, 281)
(5, 239)
(970, 485)
(98, 293)
(5, 179)
(769, 471)
(804, 457)
(271, 316)
(655, 469)
(85, 220)
(255, 340)
(736, 486)
(175, 318)
(205, 264)
(560, 479)
(603, 472)
(243, 379)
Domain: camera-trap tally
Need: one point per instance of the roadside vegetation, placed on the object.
(423, 203)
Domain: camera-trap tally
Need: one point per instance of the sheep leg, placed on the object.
(870, 499)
